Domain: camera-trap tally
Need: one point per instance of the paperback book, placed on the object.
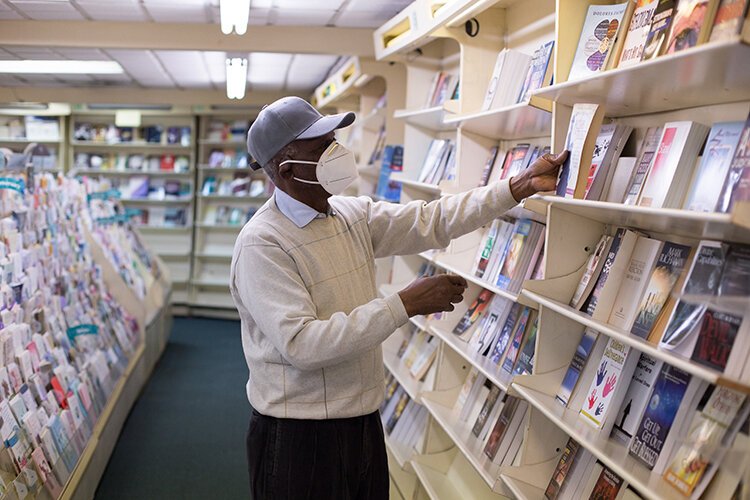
(635, 41)
(661, 22)
(636, 399)
(585, 122)
(598, 35)
(581, 356)
(563, 467)
(737, 183)
(643, 164)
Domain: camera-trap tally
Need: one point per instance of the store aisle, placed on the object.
(185, 437)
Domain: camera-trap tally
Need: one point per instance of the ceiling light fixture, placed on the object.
(236, 77)
(234, 15)
(61, 67)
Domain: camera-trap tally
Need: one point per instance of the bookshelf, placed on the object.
(228, 190)
(166, 158)
(711, 84)
(46, 128)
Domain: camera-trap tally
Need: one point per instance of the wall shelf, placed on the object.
(713, 73)
(429, 118)
(519, 121)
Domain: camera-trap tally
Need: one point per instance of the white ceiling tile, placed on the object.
(58, 11)
(76, 79)
(182, 13)
(83, 54)
(269, 60)
(215, 63)
(40, 78)
(143, 66)
(125, 10)
(10, 80)
(7, 56)
(186, 67)
(308, 5)
(258, 17)
(303, 17)
(119, 79)
(35, 53)
(307, 71)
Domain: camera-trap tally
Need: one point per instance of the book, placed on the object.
(504, 337)
(703, 279)
(636, 399)
(563, 467)
(525, 362)
(716, 339)
(643, 165)
(692, 24)
(717, 157)
(669, 390)
(487, 249)
(593, 268)
(507, 79)
(540, 71)
(708, 429)
(728, 21)
(737, 183)
(472, 314)
(669, 177)
(735, 278)
(607, 149)
(502, 425)
(585, 122)
(606, 389)
(607, 485)
(487, 408)
(517, 339)
(642, 261)
(598, 35)
(599, 303)
(658, 34)
(488, 166)
(573, 373)
(669, 266)
(495, 315)
(635, 41)
(525, 232)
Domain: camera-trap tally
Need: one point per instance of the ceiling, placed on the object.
(189, 69)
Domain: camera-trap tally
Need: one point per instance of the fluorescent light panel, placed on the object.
(38, 67)
(236, 77)
(234, 15)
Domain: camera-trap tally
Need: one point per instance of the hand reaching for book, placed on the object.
(433, 294)
(539, 177)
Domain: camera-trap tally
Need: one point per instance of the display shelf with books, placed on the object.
(38, 139)
(448, 474)
(431, 118)
(409, 356)
(517, 121)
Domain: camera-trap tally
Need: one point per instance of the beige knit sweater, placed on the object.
(312, 322)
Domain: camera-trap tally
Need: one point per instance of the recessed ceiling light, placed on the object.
(28, 67)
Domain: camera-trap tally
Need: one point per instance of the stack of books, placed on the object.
(404, 420)
(444, 87)
(508, 78)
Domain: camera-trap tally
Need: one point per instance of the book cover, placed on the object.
(489, 96)
(602, 143)
(539, 74)
(643, 165)
(599, 303)
(488, 166)
(669, 389)
(669, 266)
(397, 412)
(489, 244)
(597, 37)
(636, 399)
(473, 313)
(604, 385)
(493, 318)
(503, 338)
(515, 251)
(692, 22)
(703, 279)
(717, 157)
(707, 431)
(737, 183)
(501, 427)
(660, 175)
(581, 356)
(607, 486)
(634, 283)
(735, 278)
(728, 20)
(656, 41)
(635, 42)
(484, 413)
(516, 340)
(585, 121)
(517, 160)
(564, 465)
(593, 268)
(525, 362)
(715, 339)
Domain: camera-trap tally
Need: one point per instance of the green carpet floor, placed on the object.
(185, 436)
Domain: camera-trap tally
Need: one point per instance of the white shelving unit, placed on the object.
(15, 136)
(710, 83)
(172, 243)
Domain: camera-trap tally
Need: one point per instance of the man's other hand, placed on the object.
(433, 294)
(541, 176)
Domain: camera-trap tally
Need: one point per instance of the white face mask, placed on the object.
(335, 170)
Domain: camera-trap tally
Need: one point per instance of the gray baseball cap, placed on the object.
(286, 120)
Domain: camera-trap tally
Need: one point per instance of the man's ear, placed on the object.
(288, 153)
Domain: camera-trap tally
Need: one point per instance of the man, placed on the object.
(303, 280)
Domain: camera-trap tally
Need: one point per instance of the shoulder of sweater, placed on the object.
(353, 205)
(263, 228)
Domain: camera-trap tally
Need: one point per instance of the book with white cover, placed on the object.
(672, 169)
(636, 279)
(615, 192)
(598, 35)
(635, 42)
(507, 79)
(583, 128)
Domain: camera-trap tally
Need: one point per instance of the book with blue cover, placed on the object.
(570, 380)
(517, 340)
(503, 338)
(668, 393)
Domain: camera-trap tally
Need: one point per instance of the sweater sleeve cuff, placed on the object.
(503, 196)
(398, 311)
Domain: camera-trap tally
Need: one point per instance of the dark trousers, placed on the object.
(341, 459)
